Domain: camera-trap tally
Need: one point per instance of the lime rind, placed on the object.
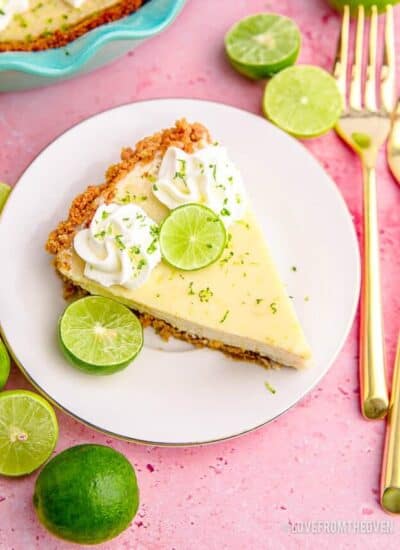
(192, 237)
(5, 365)
(5, 191)
(28, 432)
(303, 101)
(263, 44)
(99, 335)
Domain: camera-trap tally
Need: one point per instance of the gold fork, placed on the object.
(365, 127)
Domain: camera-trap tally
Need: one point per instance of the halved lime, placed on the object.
(5, 190)
(99, 335)
(303, 100)
(5, 365)
(263, 44)
(192, 237)
(28, 432)
(380, 4)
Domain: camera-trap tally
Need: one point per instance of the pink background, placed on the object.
(321, 460)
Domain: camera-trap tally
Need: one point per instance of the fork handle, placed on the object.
(390, 481)
(373, 387)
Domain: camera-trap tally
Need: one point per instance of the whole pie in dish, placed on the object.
(31, 25)
(109, 246)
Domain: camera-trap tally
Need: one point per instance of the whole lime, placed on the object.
(381, 4)
(87, 494)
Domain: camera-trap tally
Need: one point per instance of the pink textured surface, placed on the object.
(320, 461)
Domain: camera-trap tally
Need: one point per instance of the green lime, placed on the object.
(28, 432)
(99, 335)
(87, 494)
(380, 4)
(192, 237)
(5, 190)
(263, 44)
(303, 100)
(5, 365)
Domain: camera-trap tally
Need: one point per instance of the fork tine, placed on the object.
(355, 86)
(388, 73)
(370, 83)
(340, 69)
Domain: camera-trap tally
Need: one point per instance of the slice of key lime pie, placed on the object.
(219, 288)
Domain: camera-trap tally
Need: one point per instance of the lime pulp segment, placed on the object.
(5, 365)
(263, 44)
(303, 100)
(99, 335)
(192, 237)
(28, 432)
(5, 190)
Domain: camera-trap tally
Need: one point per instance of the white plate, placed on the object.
(180, 395)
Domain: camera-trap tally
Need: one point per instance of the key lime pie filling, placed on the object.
(30, 25)
(109, 245)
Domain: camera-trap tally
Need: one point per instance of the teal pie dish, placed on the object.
(23, 70)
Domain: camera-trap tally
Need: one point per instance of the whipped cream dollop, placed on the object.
(120, 247)
(9, 8)
(207, 177)
(75, 3)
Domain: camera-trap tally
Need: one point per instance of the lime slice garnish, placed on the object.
(5, 190)
(303, 101)
(192, 237)
(263, 44)
(5, 364)
(28, 432)
(99, 335)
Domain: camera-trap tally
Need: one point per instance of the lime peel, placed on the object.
(5, 191)
(5, 365)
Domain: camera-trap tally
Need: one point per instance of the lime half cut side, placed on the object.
(263, 44)
(303, 100)
(28, 432)
(99, 335)
(5, 190)
(192, 237)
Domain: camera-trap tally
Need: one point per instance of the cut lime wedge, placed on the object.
(28, 432)
(5, 190)
(99, 335)
(263, 44)
(5, 364)
(303, 100)
(192, 237)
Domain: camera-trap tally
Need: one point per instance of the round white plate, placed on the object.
(179, 395)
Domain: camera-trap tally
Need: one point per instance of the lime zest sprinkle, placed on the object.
(270, 388)
(273, 307)
(223, 319)
(191, 292)
(205, 294)
(259, 300)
